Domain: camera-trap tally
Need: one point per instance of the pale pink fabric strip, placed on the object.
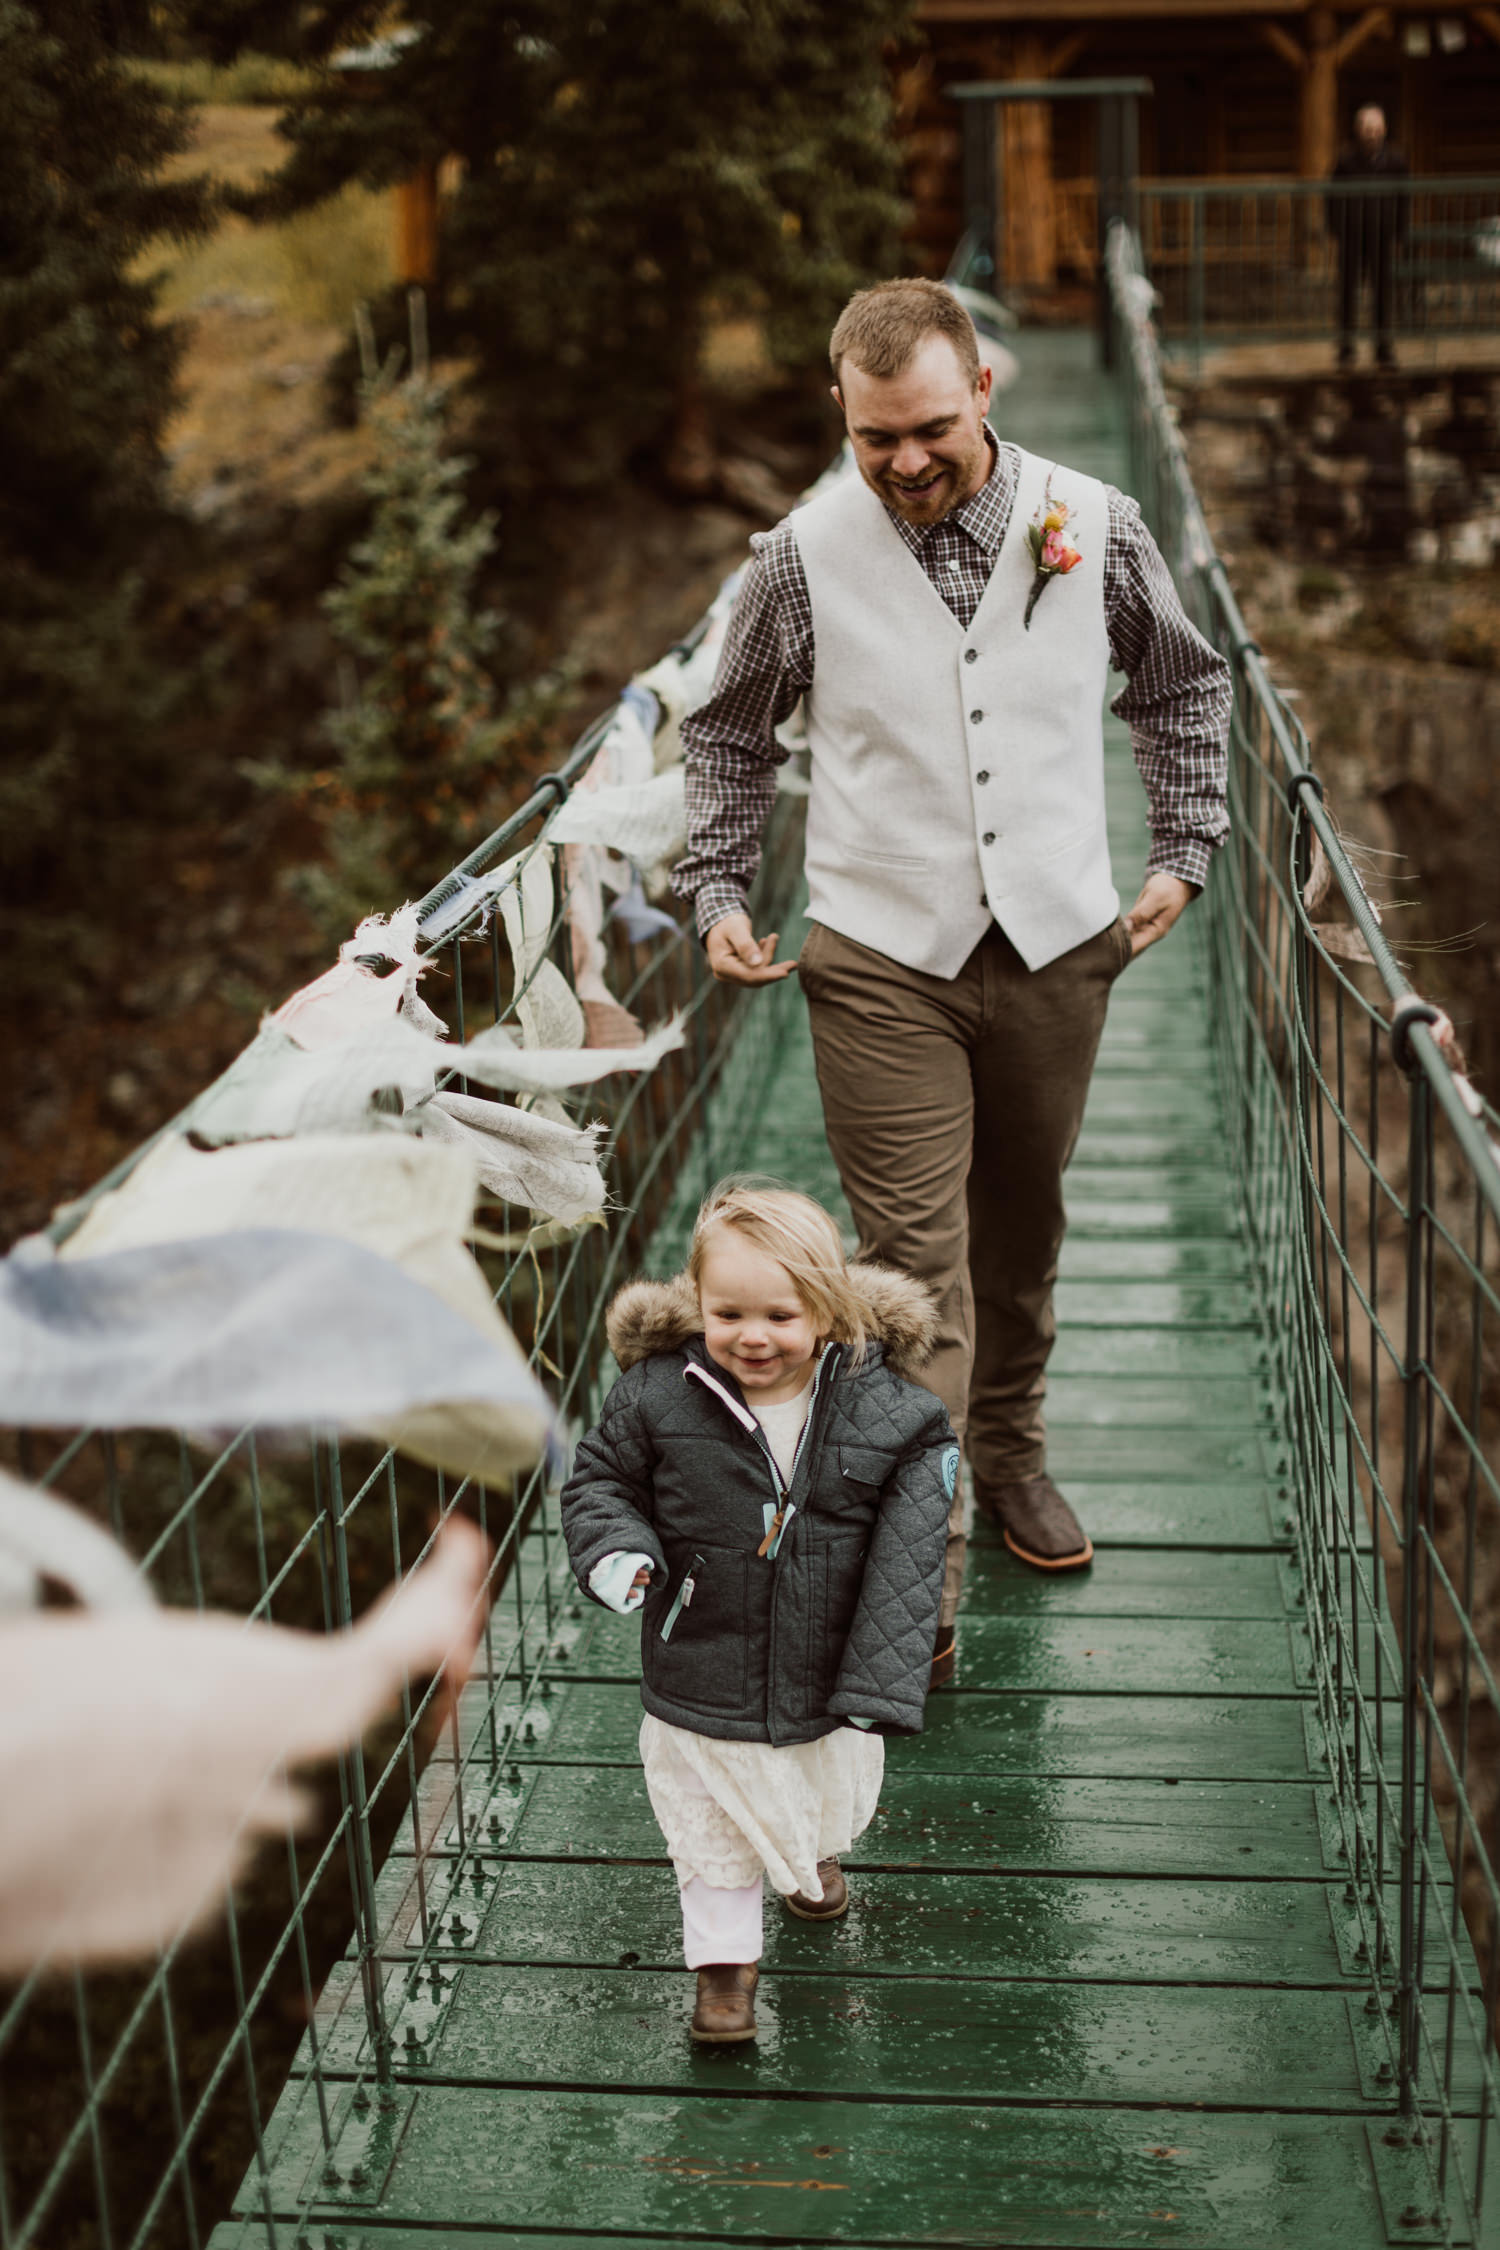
(719, 1925)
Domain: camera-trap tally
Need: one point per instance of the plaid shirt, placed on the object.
(1176, 701)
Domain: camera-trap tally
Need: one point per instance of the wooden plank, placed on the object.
(1123, 1218)
(238, 2234)
(1157, 1305)
(905, 1922)
(1163, 1402)
(876, 2173)
(1237, 1512)
(893, 2038)
(1167, 993)
(1239, 1580)
(597, 1722)
(1177, 1583)
(1144, 1059)
(913, 1924)
(1195, 1355)
(1180, 1456)
(1057, 1655)
(1165, 986)
(1214, 1262)
(1150, 1025)
(1183, 1189)
(1194, 1143)
(1105, 1175)
(896, 2038)
(245, 2234)
(1120, 1098)
(1236, 1830)
(1243, 1512)
(1153, 1510)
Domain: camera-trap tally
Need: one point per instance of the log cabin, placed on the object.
(1239, 93)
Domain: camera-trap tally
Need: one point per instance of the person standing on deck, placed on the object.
(1367, 229)
(950, 617)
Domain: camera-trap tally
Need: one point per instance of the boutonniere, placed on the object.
(1051, 555)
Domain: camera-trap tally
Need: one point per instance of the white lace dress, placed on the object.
(730, 1809)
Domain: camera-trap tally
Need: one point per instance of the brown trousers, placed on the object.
(952, 1107)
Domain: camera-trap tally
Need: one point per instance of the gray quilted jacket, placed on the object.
(838, 1620)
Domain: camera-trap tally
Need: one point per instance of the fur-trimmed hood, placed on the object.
(646, 1317)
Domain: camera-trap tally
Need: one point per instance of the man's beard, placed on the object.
(952, 486)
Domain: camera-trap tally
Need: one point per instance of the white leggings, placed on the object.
(720, 1925)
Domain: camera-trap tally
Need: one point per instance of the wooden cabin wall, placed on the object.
(1225, 105)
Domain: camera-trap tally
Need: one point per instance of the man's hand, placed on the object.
(736, 956)
(1162, 899)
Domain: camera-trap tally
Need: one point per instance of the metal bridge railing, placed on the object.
(136, 2108)
(1255, 260)
(1370, 1176)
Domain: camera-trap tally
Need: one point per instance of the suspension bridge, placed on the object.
(1177, 1925)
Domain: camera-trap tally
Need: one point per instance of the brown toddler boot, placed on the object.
(725, 2013)
(833, 1903)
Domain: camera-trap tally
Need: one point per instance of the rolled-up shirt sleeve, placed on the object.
(729, 744)
(1176, 701)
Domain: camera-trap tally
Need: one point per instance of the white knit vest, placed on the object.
(956, 775)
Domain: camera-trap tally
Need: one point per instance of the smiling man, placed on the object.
(949, 618)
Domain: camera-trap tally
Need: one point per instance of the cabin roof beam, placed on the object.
(1051, 12)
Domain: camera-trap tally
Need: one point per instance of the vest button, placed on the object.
(988, 837)
(975, 717)
(981, 777)
(971, 655)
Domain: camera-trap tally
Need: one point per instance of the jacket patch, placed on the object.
(950, 1470)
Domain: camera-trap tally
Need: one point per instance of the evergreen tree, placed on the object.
(423, 737)
(86, 378)
(626, 167)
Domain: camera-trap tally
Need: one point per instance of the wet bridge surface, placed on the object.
(1098, 1985)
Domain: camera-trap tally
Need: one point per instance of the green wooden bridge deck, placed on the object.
(1099, 1985)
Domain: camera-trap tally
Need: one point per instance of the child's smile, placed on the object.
(755, 1325)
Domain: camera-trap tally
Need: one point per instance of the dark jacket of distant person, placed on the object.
(1367, 227)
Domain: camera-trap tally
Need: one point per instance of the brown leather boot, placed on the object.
(725, 2013)
(833, 1903)
(1037, 1523)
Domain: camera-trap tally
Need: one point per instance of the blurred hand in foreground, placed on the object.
(143, 1753)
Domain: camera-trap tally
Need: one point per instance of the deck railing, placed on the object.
(1259, 260)
(1370, 1174)
(136, 2108)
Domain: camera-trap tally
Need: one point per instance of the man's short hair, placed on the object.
(881, 329)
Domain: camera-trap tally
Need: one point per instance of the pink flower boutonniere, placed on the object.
(1051, 555)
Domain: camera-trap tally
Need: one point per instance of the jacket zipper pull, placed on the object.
(684, 1597)
(773, 1532)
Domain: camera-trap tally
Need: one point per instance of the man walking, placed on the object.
(949, 617)
(1367, 228)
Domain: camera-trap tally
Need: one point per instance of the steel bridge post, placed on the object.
(981, 189)
(352, 1763)
(1412, 1454)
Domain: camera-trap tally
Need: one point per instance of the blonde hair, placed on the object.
(881, 329)
(799, 1234)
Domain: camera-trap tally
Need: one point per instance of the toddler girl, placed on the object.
(772, 1493)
